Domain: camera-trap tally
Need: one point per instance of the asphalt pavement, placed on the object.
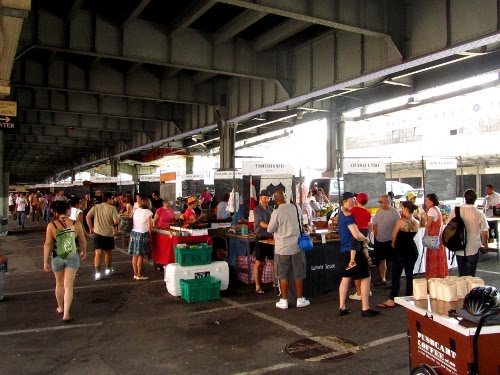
(124, 326)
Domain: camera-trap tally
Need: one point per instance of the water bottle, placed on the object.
(244, 229)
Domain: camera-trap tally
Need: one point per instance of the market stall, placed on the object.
(445, 345)
(164, 241)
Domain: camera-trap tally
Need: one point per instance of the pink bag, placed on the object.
(243, 269)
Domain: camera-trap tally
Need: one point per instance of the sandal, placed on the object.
(380, 283)
(259, 290)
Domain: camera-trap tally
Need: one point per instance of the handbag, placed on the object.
(431, 242)
(305, 242)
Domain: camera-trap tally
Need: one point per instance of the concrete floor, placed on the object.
(127, 327)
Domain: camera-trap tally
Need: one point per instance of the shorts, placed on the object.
(296, 264)
(263, 251)
(383, 250)
(59, 264)
(103, 242)
(361, 271)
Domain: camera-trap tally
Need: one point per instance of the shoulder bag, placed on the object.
(432, 242)
(304, 241)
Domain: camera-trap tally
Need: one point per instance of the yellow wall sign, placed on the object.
(8, 108)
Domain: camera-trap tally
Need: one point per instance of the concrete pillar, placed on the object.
(331, 145)
(227, 133)
(114, 167)
(189, 163)
(341, 147)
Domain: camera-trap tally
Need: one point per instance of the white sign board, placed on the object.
(193, 176)
(364, 165)
(225, 175)
(101, 180)
(264, 168)
(150, 178)
(440, 163)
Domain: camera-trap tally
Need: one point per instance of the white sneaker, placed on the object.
(109, 271)
(303, 302)
(97, 276)
(355, 296)
(282, 304)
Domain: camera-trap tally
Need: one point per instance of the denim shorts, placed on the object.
(72, 261)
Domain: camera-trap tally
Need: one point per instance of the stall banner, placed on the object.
(168, 176)
(263, 168)
(225, 175)
(193, 176)
(149, 178)
(253, 203)
(272, 183)
(440, 163)
(42, 186)
(101, 180)
(125, 182)
(365, 165)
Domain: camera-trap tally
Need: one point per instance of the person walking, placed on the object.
(21, 205)
(103, 230)
(140, 237)
(405, 252)
(349, 235)
(477, 234)
(61, 256)
(435, 259)
(492, 199)
(262, 215)
(289, 258)
(383, 224)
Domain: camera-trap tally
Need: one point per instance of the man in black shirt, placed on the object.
(156, 201)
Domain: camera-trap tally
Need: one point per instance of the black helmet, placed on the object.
(480, 299)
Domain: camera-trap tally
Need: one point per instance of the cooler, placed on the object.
(174, 273)
(445, 344)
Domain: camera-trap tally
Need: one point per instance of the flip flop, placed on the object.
(68, 320)
(259, 291)
(384, 305)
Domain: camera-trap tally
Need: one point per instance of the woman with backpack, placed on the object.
(60, 254)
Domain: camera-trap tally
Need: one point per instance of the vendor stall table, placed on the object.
(446, 344)
(495, 220)
(163, 244)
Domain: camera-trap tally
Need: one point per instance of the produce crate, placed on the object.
(193, 255)
(203, 289)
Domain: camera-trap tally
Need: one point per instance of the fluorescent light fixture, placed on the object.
(388, 104)
(352, 113)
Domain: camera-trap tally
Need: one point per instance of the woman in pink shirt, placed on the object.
(164, 215)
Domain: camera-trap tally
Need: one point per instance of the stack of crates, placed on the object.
(194, 276)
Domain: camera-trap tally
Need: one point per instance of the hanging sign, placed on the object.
(257, 168)
(225, 175)
(8, 114)
(150, 178)
(440, 163)
(364, 165)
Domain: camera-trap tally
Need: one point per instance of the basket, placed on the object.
(193, 255)
(203, 289)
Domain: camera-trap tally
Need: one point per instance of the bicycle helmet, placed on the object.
(480, 299)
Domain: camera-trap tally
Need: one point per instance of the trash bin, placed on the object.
(4, 226)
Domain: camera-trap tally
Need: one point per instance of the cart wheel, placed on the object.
(424, 369)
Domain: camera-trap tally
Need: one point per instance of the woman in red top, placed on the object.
(362, 218)
(189, 215)
(164, 215)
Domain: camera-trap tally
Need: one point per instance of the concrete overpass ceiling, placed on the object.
(102, 79)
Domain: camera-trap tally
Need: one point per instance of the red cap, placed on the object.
(362, 197)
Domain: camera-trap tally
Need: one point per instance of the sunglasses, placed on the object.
(380, 201)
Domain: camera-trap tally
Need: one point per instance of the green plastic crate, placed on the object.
(203, 289)
(194, 255)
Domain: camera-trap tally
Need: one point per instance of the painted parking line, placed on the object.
(493, 272)
(97, 284)
(264, 370)
(50, 329)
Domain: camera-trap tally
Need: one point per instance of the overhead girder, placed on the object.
(236, 25)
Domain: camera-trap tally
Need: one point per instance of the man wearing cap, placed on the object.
(384, 222)
(417, 214)
(262, 215)
(289, 258)
(354, 262)
(362, 218)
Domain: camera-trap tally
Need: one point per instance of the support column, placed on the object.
(227, 133)
(332, 123)
(189, 163)
(114, 167)
(135, 172)
(340, 147)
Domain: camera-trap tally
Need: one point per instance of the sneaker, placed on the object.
(97, 276)
(282, 304)
(303, 302)
(109, 271)
(369, 313)
(355, 296)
